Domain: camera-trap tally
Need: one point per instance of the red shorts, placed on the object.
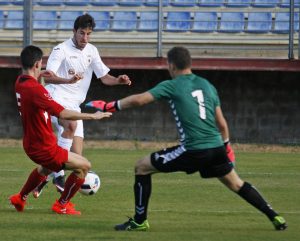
(53, 160)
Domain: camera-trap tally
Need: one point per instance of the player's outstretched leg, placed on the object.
(252, 196)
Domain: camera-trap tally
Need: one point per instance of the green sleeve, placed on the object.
(163, 90)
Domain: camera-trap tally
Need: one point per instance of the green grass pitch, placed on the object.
(182, 207)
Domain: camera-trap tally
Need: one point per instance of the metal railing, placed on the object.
(211, 43)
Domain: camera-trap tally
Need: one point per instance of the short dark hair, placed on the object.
(29, 55)
(180, 57)
(84, 21)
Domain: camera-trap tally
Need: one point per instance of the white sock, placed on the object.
(58, 174)
(65, 143)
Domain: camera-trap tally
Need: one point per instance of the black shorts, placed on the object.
(211, 162)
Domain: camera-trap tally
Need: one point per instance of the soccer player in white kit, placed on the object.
(74, 62)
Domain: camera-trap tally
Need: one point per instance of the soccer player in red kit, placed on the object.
(39, 142)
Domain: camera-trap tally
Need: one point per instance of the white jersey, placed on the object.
(66, 60)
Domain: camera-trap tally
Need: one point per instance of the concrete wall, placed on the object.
(261, 107)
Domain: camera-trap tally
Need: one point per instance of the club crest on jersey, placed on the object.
(71, 71)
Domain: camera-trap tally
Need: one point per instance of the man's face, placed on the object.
(82, 37)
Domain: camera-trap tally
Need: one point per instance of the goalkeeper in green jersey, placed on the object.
(204, 139)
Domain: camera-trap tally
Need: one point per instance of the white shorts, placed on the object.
(68, 104)
(59, 129)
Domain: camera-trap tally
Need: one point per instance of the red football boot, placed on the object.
(17, 201)
(65, 209)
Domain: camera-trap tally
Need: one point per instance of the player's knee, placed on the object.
(141, 167)
(234, 185)
(86, 167)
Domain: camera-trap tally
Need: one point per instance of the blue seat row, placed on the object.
(231, 22)
(179, 3)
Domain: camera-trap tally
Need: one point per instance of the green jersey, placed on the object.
(193, 101)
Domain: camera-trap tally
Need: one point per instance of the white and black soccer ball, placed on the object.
(91, 184)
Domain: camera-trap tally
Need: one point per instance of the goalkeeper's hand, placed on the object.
(103, 106)
(230, 152)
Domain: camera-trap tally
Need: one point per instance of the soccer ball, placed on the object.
(91, 184)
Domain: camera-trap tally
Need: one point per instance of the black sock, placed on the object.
(252, 196)
(142, 192)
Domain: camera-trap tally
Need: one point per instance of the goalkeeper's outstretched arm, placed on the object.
(127, 102)
(135, 100)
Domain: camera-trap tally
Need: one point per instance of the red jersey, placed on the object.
(36, 107)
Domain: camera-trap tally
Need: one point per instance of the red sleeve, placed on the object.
(44, 101)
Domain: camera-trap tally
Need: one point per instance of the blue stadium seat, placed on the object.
(282, 22)
(296, 22)
(103, 2)
(49, 2)
(265, 3)
(44, 20)
(154, 3)
(232, 22)
(14, 20)
(1, 19)
(124, 21)
(259, 22)
(178, 21)
(130, 2)
(17, 2)
(67, 18)
(238, 3)
(148, 21)
(286, 3)
(211, 3)
(77, 2)
(102, 20)
(5, 2)
(205, 22)
(183, 3)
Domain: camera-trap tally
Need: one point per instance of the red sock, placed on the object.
(73, 183)
(32, 182)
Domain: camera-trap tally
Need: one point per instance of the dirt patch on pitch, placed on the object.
(140, 145)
